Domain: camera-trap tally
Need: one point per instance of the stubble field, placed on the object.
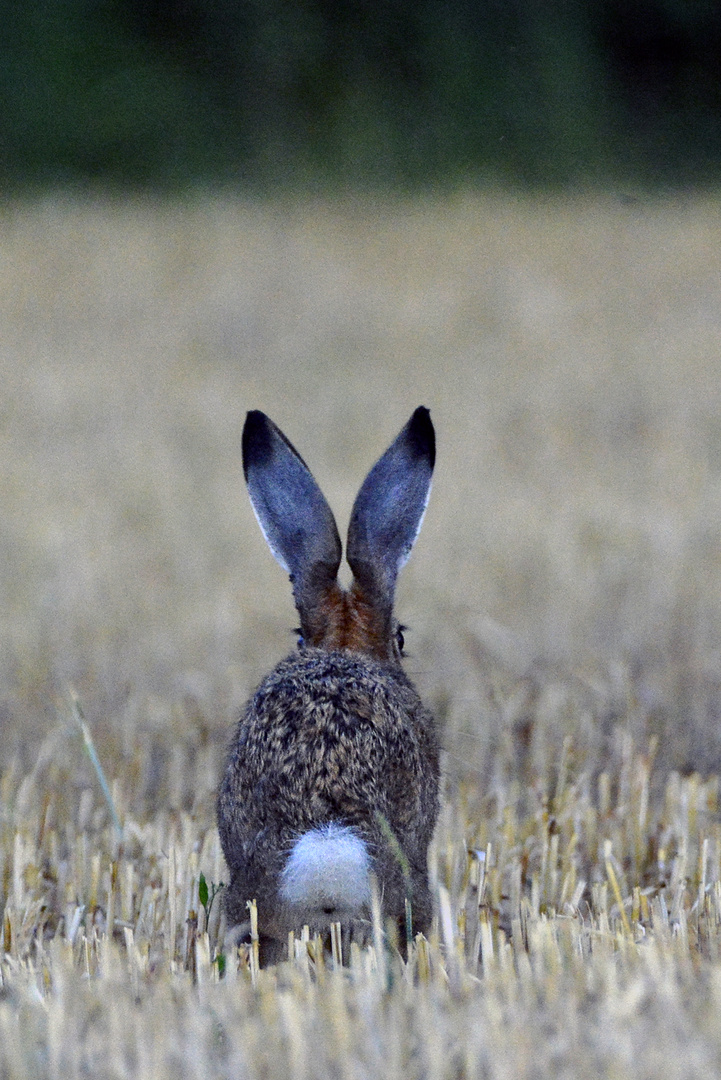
(563, 604)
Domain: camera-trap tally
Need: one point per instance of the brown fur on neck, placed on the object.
(349, 620)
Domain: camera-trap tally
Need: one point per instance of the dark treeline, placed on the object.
(339, 92)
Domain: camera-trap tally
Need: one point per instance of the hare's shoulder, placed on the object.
(321, 698)
(317, 683)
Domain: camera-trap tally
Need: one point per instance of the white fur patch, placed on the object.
(327, 869)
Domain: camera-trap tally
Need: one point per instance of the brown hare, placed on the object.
(333, 771)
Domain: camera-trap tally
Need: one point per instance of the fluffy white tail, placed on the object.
(327, 870)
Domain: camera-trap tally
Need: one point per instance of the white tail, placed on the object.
(327, 870)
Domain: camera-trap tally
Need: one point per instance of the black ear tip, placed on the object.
(422, 434)
(256, 439)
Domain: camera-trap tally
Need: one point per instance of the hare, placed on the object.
(333, 772)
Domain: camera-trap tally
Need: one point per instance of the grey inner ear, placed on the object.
(290, 507)
(389, 508)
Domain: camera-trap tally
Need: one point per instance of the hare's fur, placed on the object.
(328, 868)
(333, 772)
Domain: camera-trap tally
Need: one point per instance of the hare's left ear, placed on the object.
(291, 510)
(389, 509)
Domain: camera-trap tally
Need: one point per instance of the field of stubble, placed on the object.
(563, 600)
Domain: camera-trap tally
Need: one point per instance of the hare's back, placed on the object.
(334, 736)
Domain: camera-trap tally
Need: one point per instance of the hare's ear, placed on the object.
(291, 510)
(389, 509)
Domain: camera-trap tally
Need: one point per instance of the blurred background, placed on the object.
(337, 212)
(317, 93)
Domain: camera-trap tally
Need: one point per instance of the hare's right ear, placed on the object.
(389, 509)
(291, 511)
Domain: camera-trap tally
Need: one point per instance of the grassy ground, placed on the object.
(564, 601)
